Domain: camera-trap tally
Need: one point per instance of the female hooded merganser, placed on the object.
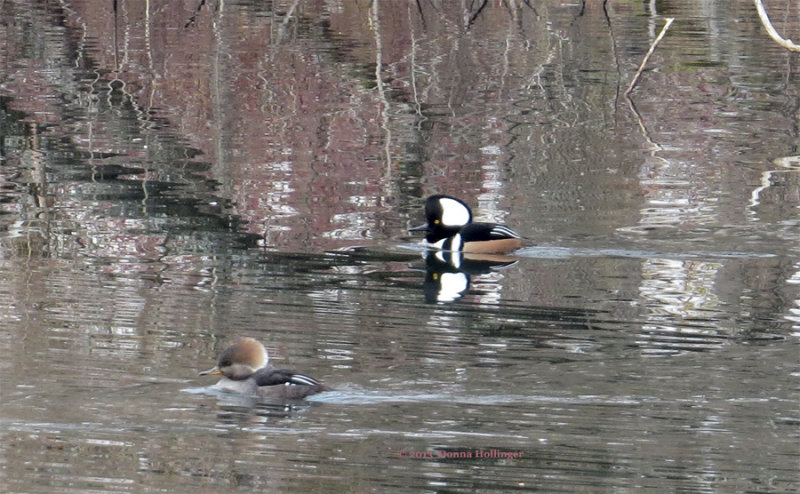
(450, 227)
(244, 367)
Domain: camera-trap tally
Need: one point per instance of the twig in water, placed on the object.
(762, 14)
(647, 56)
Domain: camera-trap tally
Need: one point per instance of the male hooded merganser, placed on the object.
(244, 367)
(450, 227)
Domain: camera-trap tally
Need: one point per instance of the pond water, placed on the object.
(174, 175)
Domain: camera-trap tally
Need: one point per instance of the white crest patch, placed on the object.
(454, 213)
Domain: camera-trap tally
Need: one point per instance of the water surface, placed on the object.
(174, 176)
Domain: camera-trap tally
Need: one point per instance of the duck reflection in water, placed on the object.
(245, 369)
(447, 273)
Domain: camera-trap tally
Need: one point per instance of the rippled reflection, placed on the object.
(175, 175)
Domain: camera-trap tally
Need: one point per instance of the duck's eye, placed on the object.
(436, 222)
(225, 363)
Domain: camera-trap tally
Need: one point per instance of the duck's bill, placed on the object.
(213, 371)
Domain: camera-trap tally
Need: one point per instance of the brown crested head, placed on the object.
(240, 360)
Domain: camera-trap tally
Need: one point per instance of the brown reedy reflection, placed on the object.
(317, 146)
(649, 336)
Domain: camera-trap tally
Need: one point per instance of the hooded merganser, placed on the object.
(245, 369)
(450, 227)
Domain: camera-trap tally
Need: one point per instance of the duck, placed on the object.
(449, 227)
(245, 369)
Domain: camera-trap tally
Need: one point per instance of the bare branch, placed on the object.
(762, 14)
(647, 56)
